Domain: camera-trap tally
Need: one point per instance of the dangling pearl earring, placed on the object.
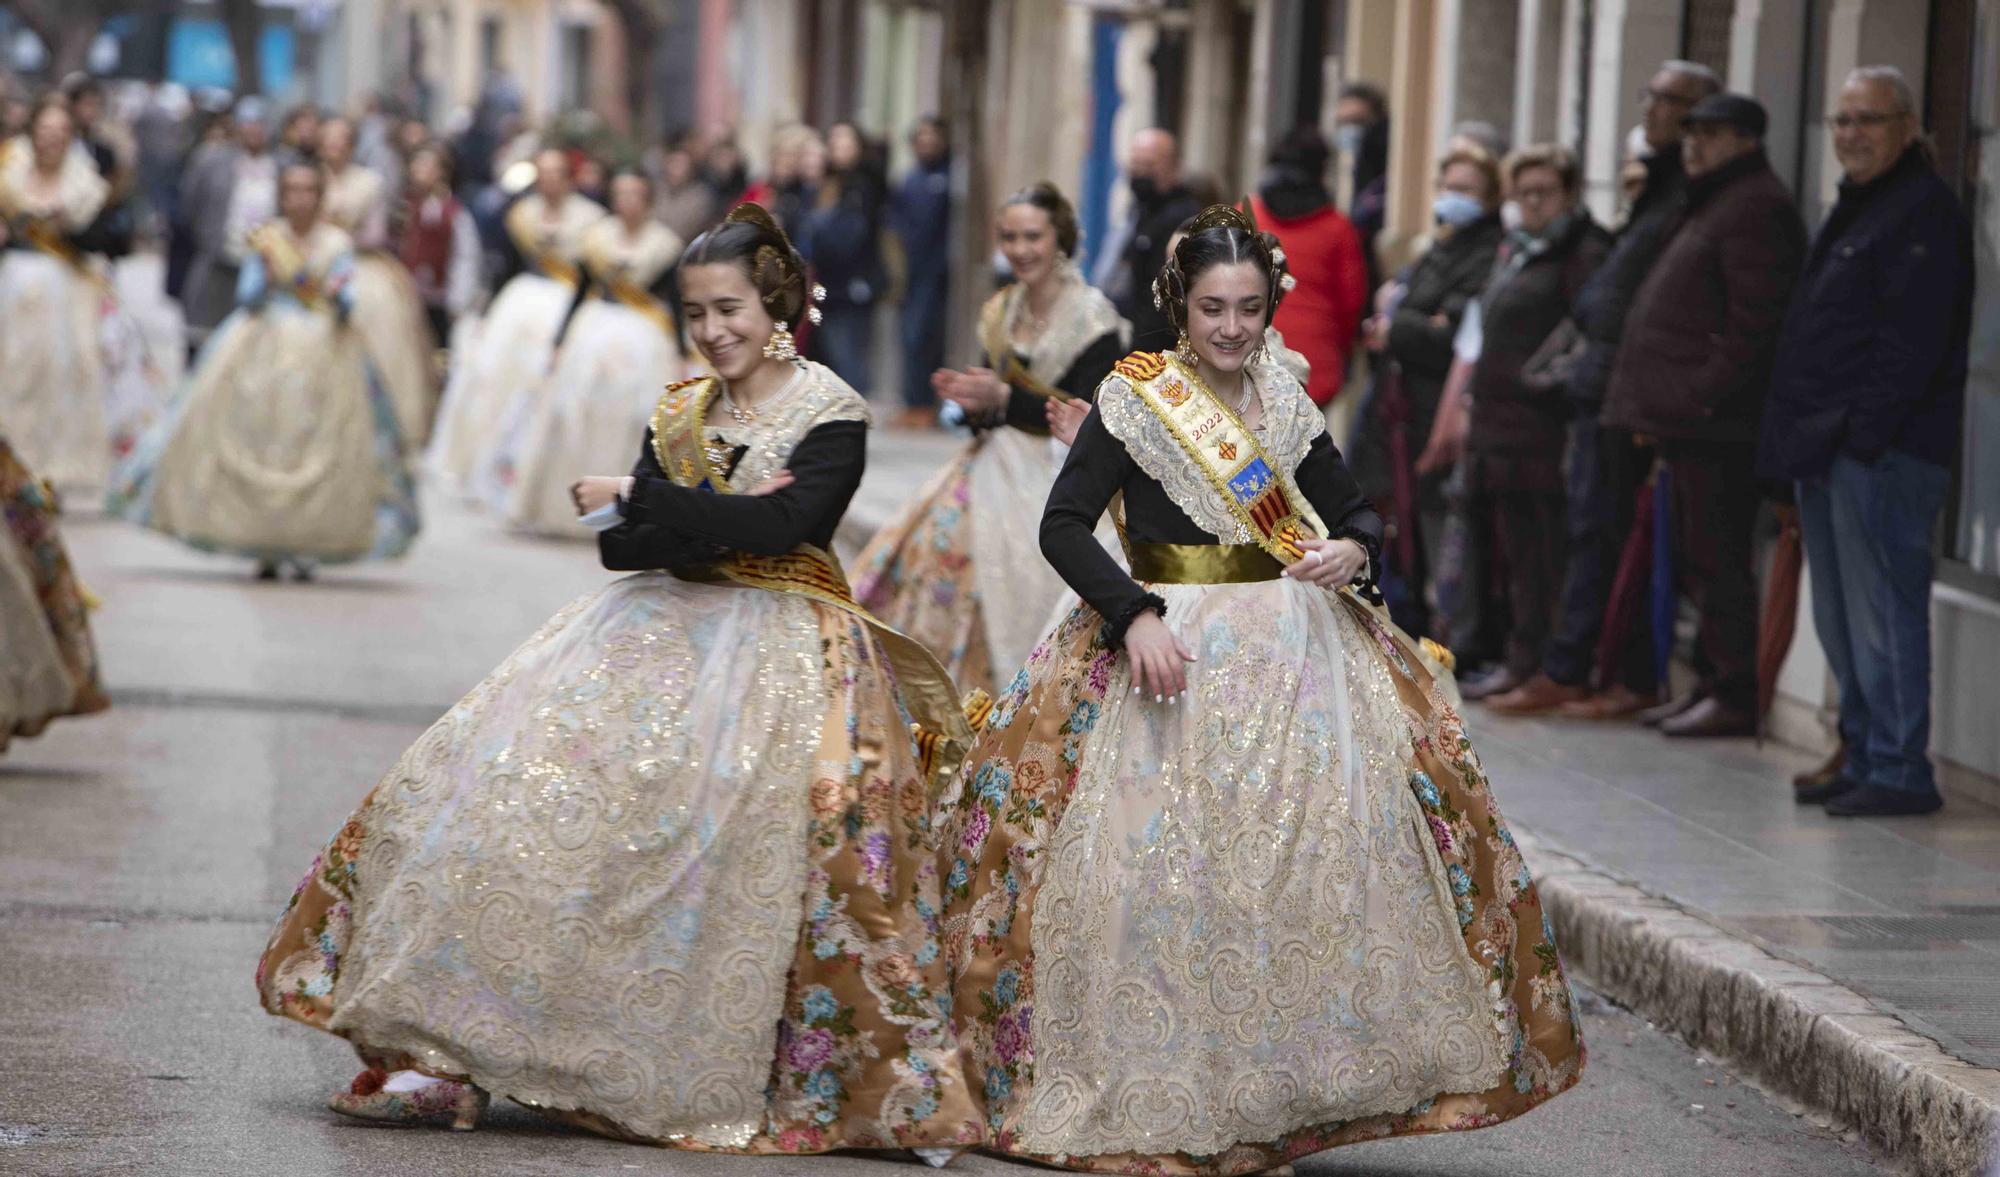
(1184, 349)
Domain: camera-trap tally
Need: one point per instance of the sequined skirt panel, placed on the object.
(1211, 936)
(666, 870)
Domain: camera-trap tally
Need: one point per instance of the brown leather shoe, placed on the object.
(1616, 702)
(1710, 719)
(1825, 774)
(1655, 716)
(1539, 694)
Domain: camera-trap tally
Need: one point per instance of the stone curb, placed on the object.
(1797, 1032)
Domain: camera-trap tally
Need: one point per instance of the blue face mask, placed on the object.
(1457, 209)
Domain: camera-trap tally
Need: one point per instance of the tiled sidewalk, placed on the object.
(1905, 910)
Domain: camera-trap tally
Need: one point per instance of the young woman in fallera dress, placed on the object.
(958, 570)
(1224, 884)
(668, 872)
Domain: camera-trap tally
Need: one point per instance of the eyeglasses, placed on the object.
(1869, 119)
(1538, 193)
(1650, 96)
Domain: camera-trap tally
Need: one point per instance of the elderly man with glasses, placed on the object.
(1864, 417)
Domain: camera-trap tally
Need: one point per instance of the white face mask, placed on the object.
(1348, 137)
(1510, 215)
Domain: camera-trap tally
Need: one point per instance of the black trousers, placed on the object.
(1603, 472)
(1715, 497)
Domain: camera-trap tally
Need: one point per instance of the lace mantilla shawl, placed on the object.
(80, 191)
(1290, 423)
(1080, 317)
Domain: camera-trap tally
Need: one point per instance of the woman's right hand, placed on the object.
(1157, 658)
(977, 390)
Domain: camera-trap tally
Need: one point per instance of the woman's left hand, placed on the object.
(1328, 563)
(591, 493)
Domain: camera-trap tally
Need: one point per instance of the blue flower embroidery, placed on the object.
(956, 878)
(1461, 883)
(998, 1084)
(1427, 791)
(819, 1005)
(1007, 986)
(822, 1084)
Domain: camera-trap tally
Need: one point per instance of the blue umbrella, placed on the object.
(1663, 572)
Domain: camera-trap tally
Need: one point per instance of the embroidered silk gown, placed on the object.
(617, 350)
(508, 352)
(958, 570)
(79, 379)
(668, 871)
(48, 665)
(283, 445)
(388, 310)
(1279, 915)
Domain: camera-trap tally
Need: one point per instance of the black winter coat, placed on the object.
(1605, 300)
(1518, 311)
(1873, 353)
(1695, 361)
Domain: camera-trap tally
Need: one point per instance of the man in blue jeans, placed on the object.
(1864, 415)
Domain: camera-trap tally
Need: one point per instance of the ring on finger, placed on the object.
(1315, 557)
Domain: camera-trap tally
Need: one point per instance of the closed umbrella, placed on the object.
(1628, 588)
(1780, 615)
(1663, 571)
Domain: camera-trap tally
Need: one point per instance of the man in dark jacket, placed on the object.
(920, 214)
(1603, 471)
(1865, 415)
(1138, 248)
(1692, 373)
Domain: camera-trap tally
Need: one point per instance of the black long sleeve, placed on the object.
(1096, 469)
(667, 525)
(1028, 412)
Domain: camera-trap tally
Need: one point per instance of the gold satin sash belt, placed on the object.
(1202, 563)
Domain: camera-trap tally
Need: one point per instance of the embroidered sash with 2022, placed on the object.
(1257, 492)
(940, 728)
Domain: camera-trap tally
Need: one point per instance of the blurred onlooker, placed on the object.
(1320, 317)
(1865, 412)
(14, 112)
(920, 214)
(1692, 373)
(86, 107)
(111, 149)
(1137, 249)
(1603, 469)
(725, 172)
(1417, 316)
(1361, 133)
(298, 135)
(593, 179)
(1517, 416)
(682, 201)
(1477, 134)
(357, 197)
(842, 240)
(230, 188)
(437, 241)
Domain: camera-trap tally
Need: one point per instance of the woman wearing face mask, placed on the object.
(667, 873)
(958, 570)
(614, 353)
(1417, 316)
(284, 445)
(511, 349)
(1224, 884)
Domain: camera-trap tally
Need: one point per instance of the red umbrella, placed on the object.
(1631, 588)
(1780, 616)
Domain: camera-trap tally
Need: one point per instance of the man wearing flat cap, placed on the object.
(1691, 378)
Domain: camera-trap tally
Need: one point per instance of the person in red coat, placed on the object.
(1321, 316)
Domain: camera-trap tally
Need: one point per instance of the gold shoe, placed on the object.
(440, 1098)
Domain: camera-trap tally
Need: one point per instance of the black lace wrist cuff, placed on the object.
(1364, 583)
(1115, 627)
